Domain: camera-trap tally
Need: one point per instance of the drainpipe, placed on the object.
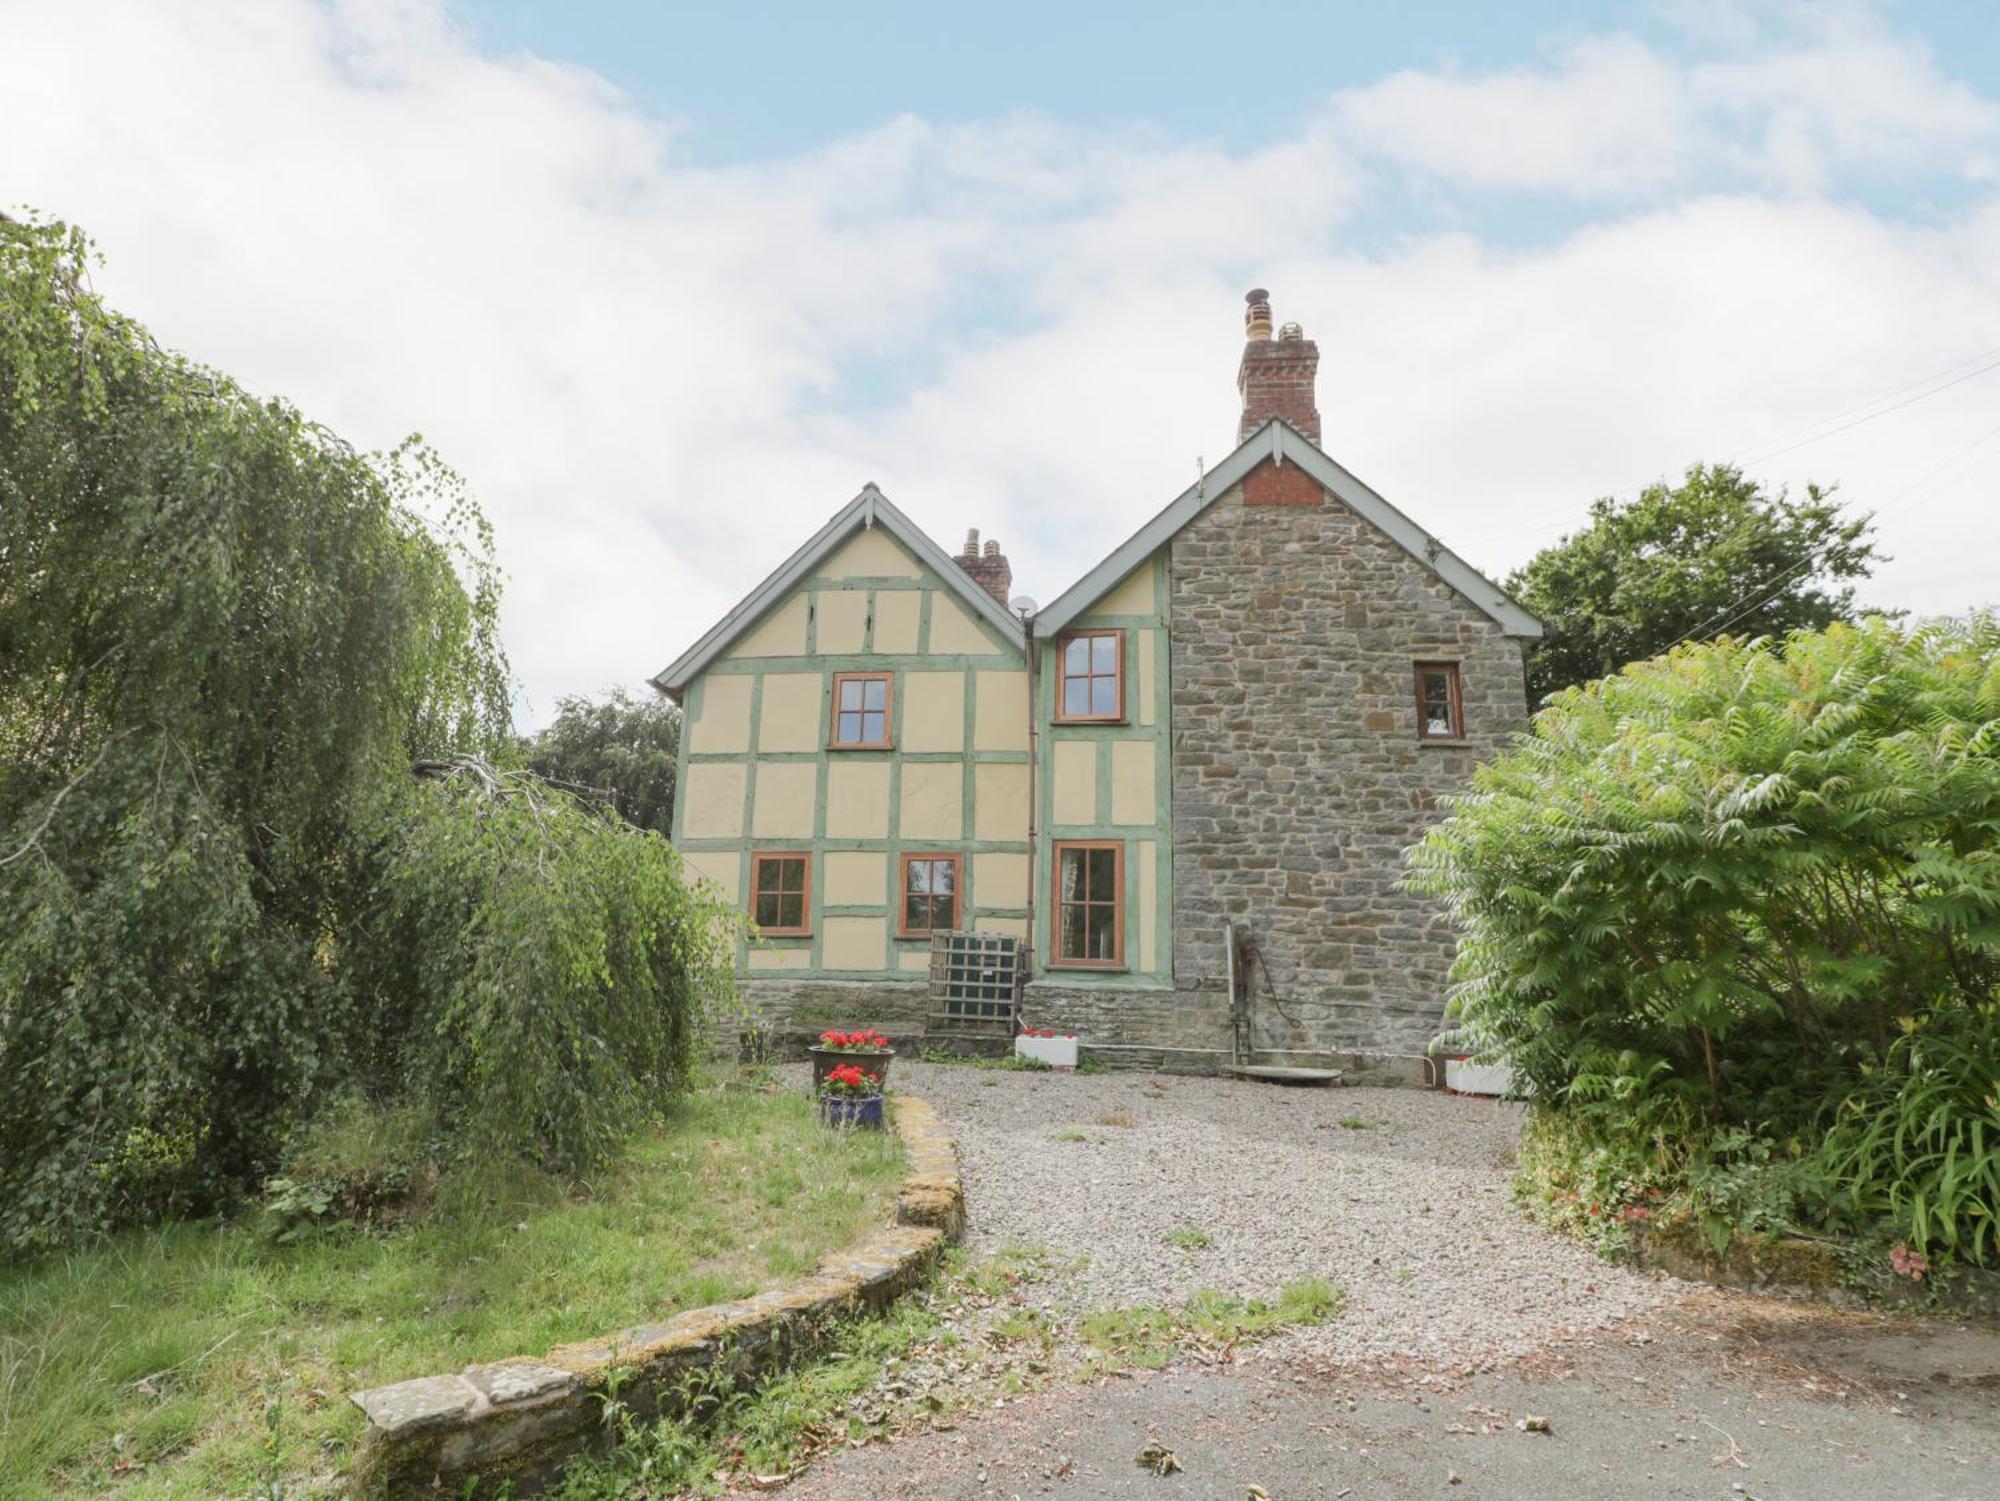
(1034, 803)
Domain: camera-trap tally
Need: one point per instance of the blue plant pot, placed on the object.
(849, 1110)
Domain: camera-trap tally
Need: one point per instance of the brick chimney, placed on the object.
(990, 569)
(1277, 375)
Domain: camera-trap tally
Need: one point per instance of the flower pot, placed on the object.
(826, 1060)
(852, 1110)
(1059, 1053)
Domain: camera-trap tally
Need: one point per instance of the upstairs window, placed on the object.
(1090, 904)
(1090, 677)
(780, 893)
(861, 710)
(930, 894)
(1440, 705)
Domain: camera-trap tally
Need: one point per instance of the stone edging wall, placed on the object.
(524, 1418)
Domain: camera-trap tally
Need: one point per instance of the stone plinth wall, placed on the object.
(791, 1013)
(1298, 776)
(522, 1420)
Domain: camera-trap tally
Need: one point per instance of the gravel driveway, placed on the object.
(1399, 1196)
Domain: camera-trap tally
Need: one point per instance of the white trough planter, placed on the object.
(1477, 1078)
(1056, 1052)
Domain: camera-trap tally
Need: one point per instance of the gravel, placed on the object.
(1398, 1196)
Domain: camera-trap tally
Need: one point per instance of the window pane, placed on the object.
(875, 693)
(792, 910)
(1076, 656)
(943, 876)
(1072, 933)
(874, 726)
(846, 728)
(1076, 696)
(1103, 879)
(919, 877)
(1104, 695)
(1437, 719)
(944, 912)
(850, 693)
(1103, 653)
(1437, 687)
(792, 875)
(914, 908)
(767, 911)
(1071, 884)
(1100, 939)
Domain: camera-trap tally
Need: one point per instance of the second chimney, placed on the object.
(990, 569)
(1278, 376)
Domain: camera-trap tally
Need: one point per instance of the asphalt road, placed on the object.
(1723, 1399)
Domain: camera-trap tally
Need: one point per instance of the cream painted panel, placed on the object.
(871, 554)
(916, 959)
(898, 613)
(1148, 646)
(855, 878)
(789, 719)
(853, 943)
(782, 633)
(1132, 782)
(1015, 927)
(952, 630)
(841, 622)
(780, 958)
(720, 866)
(1000, 799)
(725, 714)
(999, 879)
(1076, 781)
(933, 801)
(1132, 596)
(1146, 854)
(714, 796)
(1000, 714)
(785, 794)
(857, 800)
(933, 711)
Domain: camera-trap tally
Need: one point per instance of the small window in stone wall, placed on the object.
(1440, 704)
(781, 892)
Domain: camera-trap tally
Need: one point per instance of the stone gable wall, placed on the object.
(1298, 777)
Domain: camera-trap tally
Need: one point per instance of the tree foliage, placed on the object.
(225, 637)
(621, 752)
(1717, 889)
(1710, 554)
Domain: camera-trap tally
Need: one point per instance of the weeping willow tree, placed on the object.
(228, 645)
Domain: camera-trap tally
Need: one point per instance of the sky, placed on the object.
(668, 284)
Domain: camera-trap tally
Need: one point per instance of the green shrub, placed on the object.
(1711, 892)
(228, 642)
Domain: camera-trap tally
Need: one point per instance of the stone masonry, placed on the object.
(1298, 777)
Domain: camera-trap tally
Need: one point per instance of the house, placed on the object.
(1234, 724)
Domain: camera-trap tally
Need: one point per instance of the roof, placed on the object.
(1281, 443)
(868, 509)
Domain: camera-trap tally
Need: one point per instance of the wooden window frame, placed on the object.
(957, 860)
(804, 857)
(1457, 703)
(1062, 678)
(1057, 848)
(888, 740)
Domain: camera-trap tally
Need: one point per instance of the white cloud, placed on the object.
(660, 376)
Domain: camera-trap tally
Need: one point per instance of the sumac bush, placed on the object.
(226, 642)
(1724, 888)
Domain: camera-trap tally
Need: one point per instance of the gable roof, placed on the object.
(1281, 443)
(868, 509)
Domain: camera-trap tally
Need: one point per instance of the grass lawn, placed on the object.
(203, 1360)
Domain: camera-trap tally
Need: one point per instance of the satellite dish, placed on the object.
(1021, 605)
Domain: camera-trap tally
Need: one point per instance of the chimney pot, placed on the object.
(992, 548)
(971, 543)
(1257, 316)
(990, 569)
